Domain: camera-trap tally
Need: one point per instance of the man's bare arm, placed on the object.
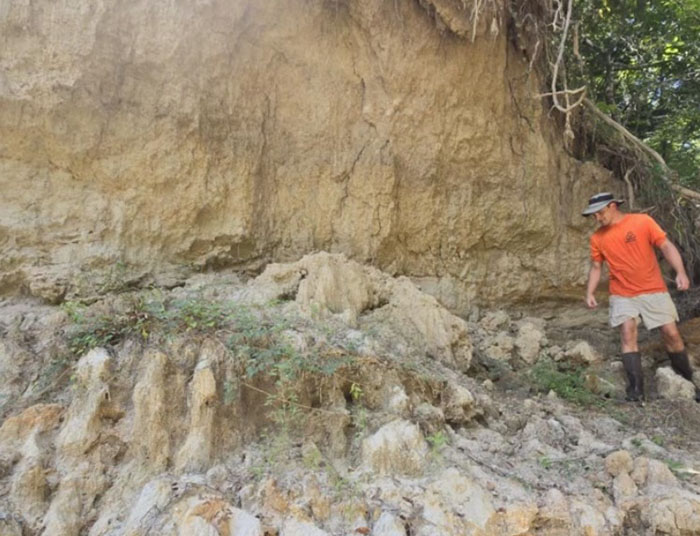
(671, 254)
(593, 280)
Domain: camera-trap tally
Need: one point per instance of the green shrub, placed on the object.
(565, 380)
(141, 316)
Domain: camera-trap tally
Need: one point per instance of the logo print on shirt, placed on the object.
(629, 237)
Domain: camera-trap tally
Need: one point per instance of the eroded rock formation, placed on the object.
(231, 133)
(275, 407)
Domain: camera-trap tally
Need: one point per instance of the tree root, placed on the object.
(667, 173)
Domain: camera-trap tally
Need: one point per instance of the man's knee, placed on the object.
(672, 337)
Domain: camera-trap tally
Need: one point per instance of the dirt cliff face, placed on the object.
(230, 133)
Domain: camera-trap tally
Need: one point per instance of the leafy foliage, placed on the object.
(565, 380)
(641, 62)
(260, 335)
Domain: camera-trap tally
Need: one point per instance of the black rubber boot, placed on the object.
(681, 366)
(632, 362)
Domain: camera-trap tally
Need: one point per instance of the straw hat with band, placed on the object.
(600, 201)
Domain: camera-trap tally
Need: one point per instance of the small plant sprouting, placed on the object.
(356, 392)
(675, 466)
(658, 440)
(75, 311)
(356, 395)
(437, 441)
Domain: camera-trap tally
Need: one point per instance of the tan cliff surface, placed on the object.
(218, 134)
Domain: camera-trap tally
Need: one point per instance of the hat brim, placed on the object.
(595, 207)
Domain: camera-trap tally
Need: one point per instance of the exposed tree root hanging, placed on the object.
(667, 173)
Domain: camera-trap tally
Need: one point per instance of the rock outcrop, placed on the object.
(224, 408)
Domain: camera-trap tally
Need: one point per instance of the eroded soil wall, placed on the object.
(231, 133)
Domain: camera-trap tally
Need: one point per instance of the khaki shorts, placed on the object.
(655, 309)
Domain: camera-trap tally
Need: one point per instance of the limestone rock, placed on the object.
(673, 515)
(553, 513)
(556, 352)
(154, 496)
(619, 462)
(47, 286)
(398, 402)
(582, 353)
(529, 341)
(13, 361)
(514, 519)
(71, 504)
(319, 501)
(587, 519)
(205, 516)
(151, 438)
(94, 367)
(536, 321)
(444, 335)
(463, 496)
(30, 492)
(19, 435)
(274, 498)
(83, 420)
(672, 386)
(338, 285)
(430, 418)
(653, 475)
(623, 487)
(10, 526)
(640, 471)
(436, 517)
(295, 527)
(460, 405)
(323, 283)
(495, 320)
(499, 347)
(396, 448)
(388, 525)
(658, 474)
(197, 450)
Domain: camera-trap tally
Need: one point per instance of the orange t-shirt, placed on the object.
(628, 248)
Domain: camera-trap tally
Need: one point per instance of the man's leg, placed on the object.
(677, 354)
(632, 360)
(672, 338)
(628, 335)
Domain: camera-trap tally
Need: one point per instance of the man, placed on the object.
(626, 242)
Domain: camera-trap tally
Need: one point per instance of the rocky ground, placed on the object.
(324, 397)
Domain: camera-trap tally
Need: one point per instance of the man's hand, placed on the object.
(682, 282)
(671, 254)
(593, 279)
